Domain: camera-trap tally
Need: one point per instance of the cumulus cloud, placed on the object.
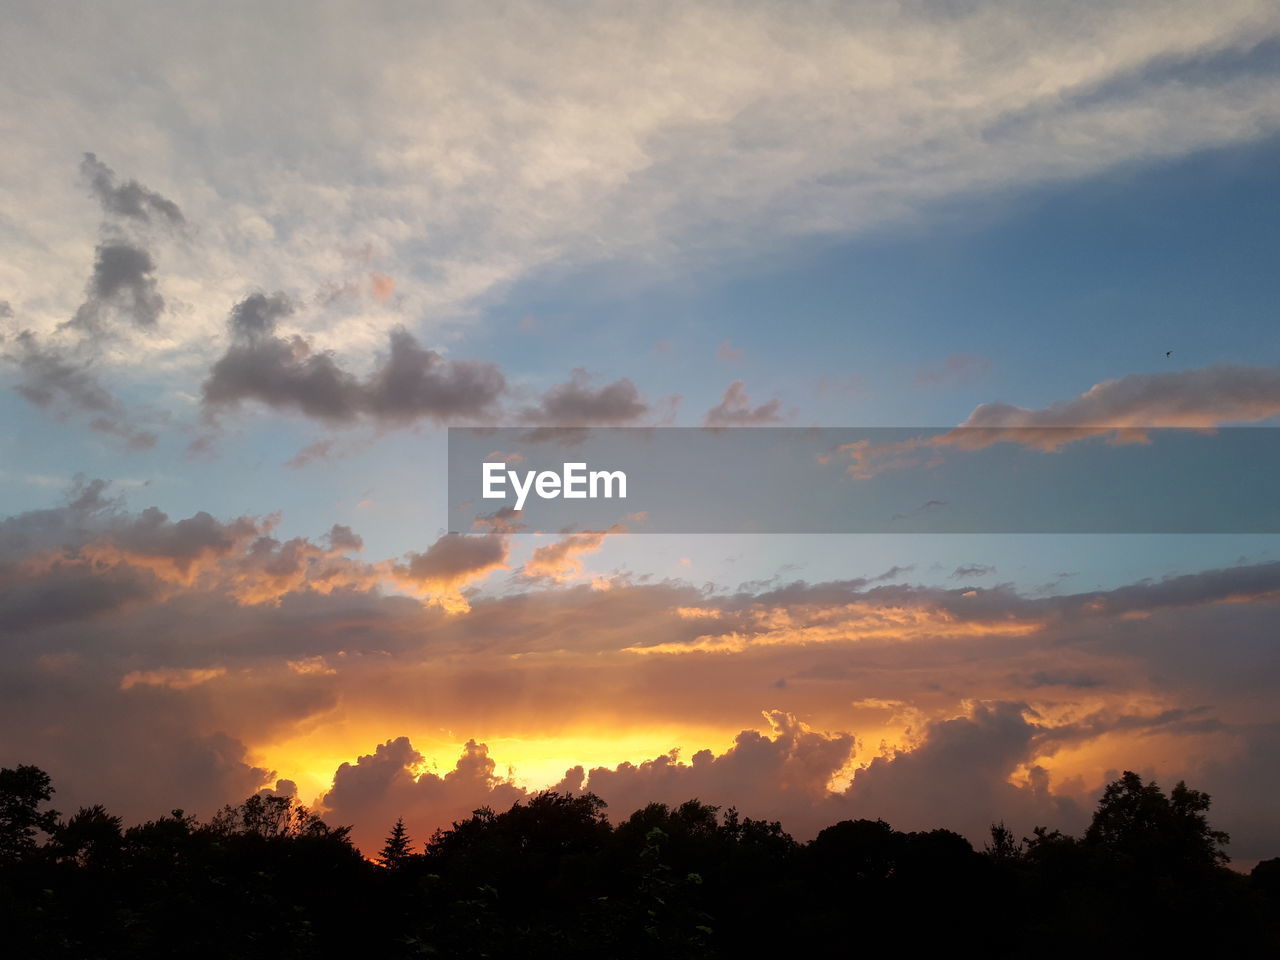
(784, 776)
(576, 403)
(286, 373)
(959, 777)
(735, 410)
(388, 784)
(415, 383)
(280, 372)
(123, 282)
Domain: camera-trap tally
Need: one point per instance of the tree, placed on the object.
(1136, 820)
(91, 838)
(1003, 846)
(22, 790)
(270, 817)
(397, 848)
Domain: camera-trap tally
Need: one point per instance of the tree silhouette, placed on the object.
(552, 877)
(270, 817)
(22, 790)
(397, 848)
(1137, 821)
(1003, 846)
(91, 838)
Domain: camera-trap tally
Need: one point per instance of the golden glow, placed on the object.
(846, 623)
(534, 762)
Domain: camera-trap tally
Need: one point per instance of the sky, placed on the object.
(255, 261)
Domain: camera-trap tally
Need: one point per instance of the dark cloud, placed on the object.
(959, 777)
(282, 373)
(414, 383)
(123, 284)
(343, 538)
(285, 373)
(894, 571)
(576, 403)
(68, 592)
(456, 558)
(130, 200)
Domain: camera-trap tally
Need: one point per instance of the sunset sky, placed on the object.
(256, 259)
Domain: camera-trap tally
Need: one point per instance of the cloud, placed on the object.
(318, 450)
(273, 657)
(49, 379)
(1123, 409)
(281, 373)
(451, 562)
(54, 380)
(130, 200)
(735, 410)
(123, 282)
(972, 570)
(1206, 397)
(958, 777)
(415, 383)
(576, 403)
(388, 784)
(429, 183)
(562, 560)
(286, 373)
(59, 368)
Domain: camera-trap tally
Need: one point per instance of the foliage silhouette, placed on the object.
(397, 849)
(551, 877)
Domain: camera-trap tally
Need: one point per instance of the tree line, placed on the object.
(553, 877)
